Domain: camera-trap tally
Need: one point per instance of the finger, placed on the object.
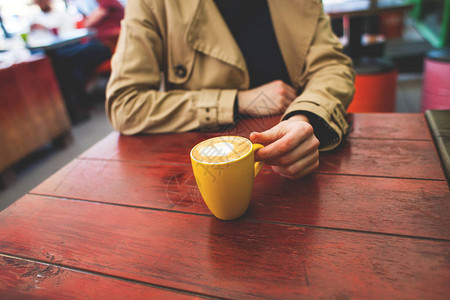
(285, 101)
(268, 136)
(285, 141)
(290, 94)
(289, 89)
(283, 89)
(303, 173)
(281, 102)
(310, 145)
(299, 168)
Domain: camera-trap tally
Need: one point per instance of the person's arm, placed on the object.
(96, 17)
(317, 114)
(328, 81)
(135, 104)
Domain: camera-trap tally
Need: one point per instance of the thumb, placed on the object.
(266, 137)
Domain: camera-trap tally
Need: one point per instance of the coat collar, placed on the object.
(295, 23)
(292, 21)
(209, 34)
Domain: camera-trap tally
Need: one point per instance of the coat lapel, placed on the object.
(209, 34)
(294, 22)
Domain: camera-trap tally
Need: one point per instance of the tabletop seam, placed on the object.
(379, 176)
(96, 273)
(253, 220)
(314, 172)
(133, 161)
(387, 139)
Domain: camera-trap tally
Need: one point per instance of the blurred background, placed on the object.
(48, 47)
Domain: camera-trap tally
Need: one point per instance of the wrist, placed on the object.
(241, 102)
(299, 117)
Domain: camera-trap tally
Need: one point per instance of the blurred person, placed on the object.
(85, 57)
(105, 20)
(225, 58)
(78, 62)
(51, 19)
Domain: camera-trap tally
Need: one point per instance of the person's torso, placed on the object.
(110, 24)
(200, 52)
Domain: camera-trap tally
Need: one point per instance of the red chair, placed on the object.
(375, 86)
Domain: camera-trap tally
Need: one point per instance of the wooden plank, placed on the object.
(239, 259)
(156, 149)
(389, 126)
(24, 279)
(176, 145)
(392, 158)
(389, 158)
(44, 99)
(408, 207)
(146, 185)
(170, 148)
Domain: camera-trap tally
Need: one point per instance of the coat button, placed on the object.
(180, 71)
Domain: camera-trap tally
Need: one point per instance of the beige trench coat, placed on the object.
(188, 42)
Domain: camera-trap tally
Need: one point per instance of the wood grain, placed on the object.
(164, 148)
(388, 126)
(175, 147)
(224, 259)
(408, 207)
(10, 134)
(24, 279)
(369, 157)
(33, 112)
(43, 98)
(127, 218)
(170, 148)
(385, 158)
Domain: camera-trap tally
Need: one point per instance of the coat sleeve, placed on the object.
(328, 87)
(134, 102)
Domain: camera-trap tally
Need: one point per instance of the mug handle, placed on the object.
(258, 164)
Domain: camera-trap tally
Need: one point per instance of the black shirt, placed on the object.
(251, 26)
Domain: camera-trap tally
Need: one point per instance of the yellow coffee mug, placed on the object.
(224, 173)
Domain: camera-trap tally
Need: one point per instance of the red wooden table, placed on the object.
(125, 219)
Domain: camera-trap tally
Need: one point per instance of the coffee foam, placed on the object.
(221, 149)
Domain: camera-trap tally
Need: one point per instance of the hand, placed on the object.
(291, 147)
(269, 99)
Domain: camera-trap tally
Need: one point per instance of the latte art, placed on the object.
(221, 149)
